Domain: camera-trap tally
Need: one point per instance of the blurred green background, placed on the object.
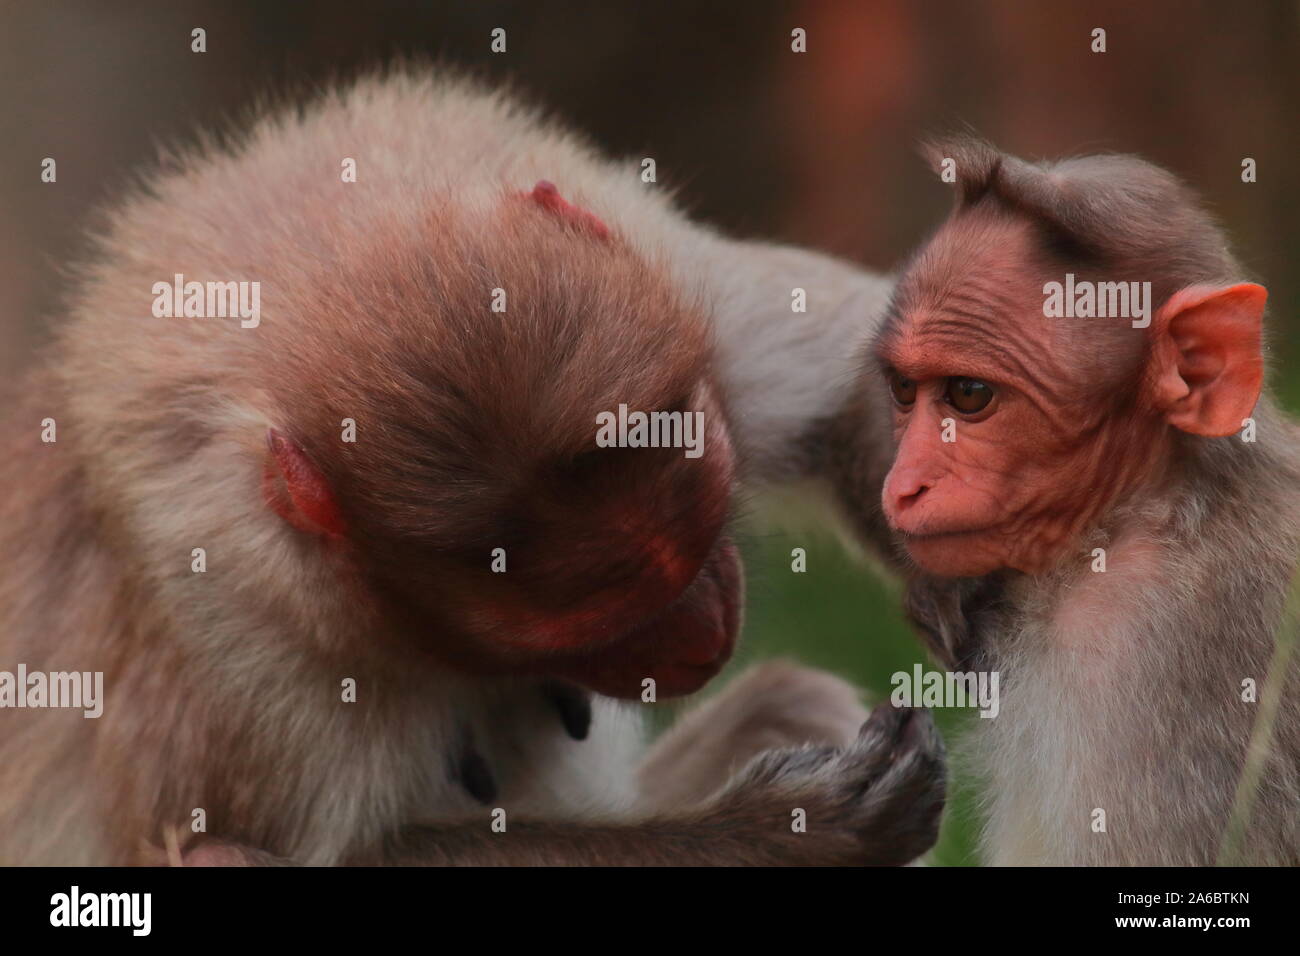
(815, 148)
(840, 616)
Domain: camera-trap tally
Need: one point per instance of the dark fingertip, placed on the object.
(886, 718)
(470, 769)
(915, 725)
(574, 705)
(476, 777)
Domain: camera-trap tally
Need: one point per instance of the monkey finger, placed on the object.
(574, 706)
(896, 731)
(476, 776)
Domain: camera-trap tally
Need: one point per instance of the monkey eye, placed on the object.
(968, 395)
(903, 389)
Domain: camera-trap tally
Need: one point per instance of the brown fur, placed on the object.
(475, 430)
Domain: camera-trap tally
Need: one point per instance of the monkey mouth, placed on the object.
(676, 652)
(916, 525)
(966, 552)
(955, 534)
(930, 534)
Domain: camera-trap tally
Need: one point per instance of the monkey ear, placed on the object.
(297, 491)
(1206, 365)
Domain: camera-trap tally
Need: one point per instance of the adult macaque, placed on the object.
(1115, 521)
(413, 552)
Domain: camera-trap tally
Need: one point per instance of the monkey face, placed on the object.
(623, 567)
(680, 648)
(614, 569)
(1015, 430)
(1011, 433)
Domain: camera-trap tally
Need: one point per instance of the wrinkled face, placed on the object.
(1008, 444)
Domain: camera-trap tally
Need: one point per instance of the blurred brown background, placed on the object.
(816, 148)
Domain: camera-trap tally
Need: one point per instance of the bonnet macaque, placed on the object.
(1102, 504)
(311, 476)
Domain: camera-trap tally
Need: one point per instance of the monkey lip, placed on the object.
(922, 524)
(925, 528)
(680, 649)
(956, 553)
(953, 535)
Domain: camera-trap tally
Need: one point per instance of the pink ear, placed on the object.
(297, 491)
(548, 197)
(1206, 366)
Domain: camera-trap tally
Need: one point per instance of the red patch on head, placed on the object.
(548, 197)
(297, 491)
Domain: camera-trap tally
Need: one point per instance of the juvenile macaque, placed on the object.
(1116, 520)
(352, 569)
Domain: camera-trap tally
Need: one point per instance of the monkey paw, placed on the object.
(949, 615)
(773, 704)
(876, 802)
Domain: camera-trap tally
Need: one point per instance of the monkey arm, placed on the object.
(789, 324)
(876, 802)
(953, 617)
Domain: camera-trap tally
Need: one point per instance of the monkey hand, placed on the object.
(773, 704)
(876, 802)
(949, 616)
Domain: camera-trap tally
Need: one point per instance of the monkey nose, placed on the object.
(903, 490)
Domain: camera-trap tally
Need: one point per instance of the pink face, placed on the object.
(1004, 453)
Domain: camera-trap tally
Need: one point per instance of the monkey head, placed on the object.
(1018, 424)
(476, 511)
